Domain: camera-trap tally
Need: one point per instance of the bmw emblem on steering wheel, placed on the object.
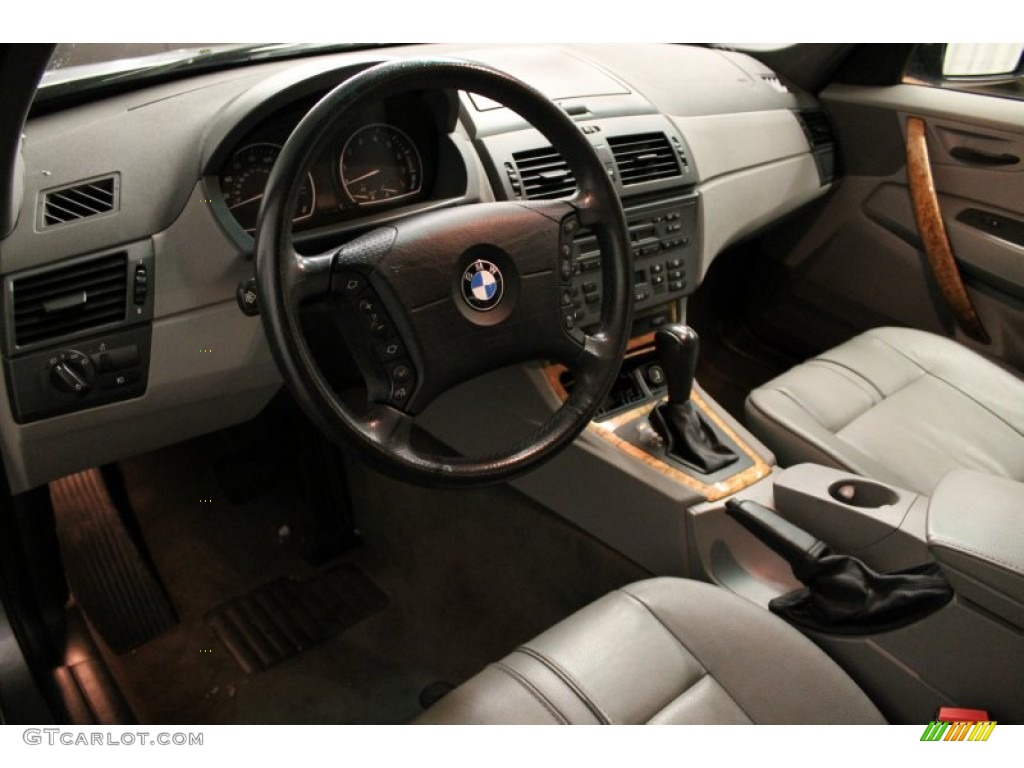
(482, 285)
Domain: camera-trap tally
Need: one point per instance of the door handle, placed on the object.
(968, 155)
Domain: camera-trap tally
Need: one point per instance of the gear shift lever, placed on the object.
(677, 347)
(688, 436)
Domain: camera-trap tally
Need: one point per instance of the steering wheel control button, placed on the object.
(400, 393)
(389, 351)
(248, 299)
(483, 285)
(349, 285)
(401, 374)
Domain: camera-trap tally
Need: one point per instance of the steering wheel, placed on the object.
(438, 298)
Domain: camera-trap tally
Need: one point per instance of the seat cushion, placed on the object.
(896, 404)
(662, 651)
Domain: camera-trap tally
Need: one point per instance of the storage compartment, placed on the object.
(863, 493)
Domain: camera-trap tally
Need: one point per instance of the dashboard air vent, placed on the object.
(79, 201)
(775, 83)
(544, 174)
(70, 299)
(816, 126)
(644, 157)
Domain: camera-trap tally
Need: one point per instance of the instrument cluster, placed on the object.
(384, 157)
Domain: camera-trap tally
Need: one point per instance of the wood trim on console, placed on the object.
(554, 372)
(713, 492)
(930, 226)
(606, 431)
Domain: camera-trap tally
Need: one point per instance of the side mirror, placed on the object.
(982, 60)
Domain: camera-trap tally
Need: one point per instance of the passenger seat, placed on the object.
(898, 405)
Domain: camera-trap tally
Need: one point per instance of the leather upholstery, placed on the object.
(662, 651)
(898, 405)
(976, 532)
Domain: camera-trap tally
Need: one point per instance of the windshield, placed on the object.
(79, 68)
(71, 55)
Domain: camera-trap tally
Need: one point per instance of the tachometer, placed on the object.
(380, 163)
(245, 179)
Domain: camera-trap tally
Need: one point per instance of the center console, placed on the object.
(966, 651)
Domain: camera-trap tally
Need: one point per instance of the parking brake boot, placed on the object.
(842, 594)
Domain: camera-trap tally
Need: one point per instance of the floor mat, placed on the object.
(288, 616)
(467, 574)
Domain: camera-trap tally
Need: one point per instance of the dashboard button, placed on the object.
(115, 359)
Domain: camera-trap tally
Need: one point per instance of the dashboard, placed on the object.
(122, 331)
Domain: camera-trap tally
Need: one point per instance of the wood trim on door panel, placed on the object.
(932, 230)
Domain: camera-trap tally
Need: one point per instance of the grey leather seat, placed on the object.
(898, 405)
(662, 651)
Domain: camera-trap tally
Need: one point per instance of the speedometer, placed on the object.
(245, 179)
(380, 163)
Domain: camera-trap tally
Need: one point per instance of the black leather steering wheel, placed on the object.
(435, 299)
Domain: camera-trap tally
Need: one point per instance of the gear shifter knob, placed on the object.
(677, 346)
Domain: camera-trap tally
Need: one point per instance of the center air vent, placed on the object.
(79, 201)
(543, 174)
(66, 300)
(644, 157)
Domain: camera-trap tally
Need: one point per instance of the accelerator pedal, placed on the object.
(112, 582)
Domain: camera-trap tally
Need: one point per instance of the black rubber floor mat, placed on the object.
(288, 616)
(112, 582)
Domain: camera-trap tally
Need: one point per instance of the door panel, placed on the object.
(859, 262)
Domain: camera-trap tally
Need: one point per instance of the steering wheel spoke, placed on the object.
(305, 277)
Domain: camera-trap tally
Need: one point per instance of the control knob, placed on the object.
(72, 373)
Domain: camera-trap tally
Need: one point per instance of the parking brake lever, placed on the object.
(795, 545)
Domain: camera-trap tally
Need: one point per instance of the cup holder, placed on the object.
(862, 493)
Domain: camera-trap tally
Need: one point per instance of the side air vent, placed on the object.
(542, 174)
(776, 84)
(816, 126)
(66, 300)
(823, 147)
(79, 201)
(644, 157)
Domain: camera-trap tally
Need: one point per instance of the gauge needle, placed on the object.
(246, 202)
(374, 172)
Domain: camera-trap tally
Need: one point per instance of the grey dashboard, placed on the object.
(176, 168)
